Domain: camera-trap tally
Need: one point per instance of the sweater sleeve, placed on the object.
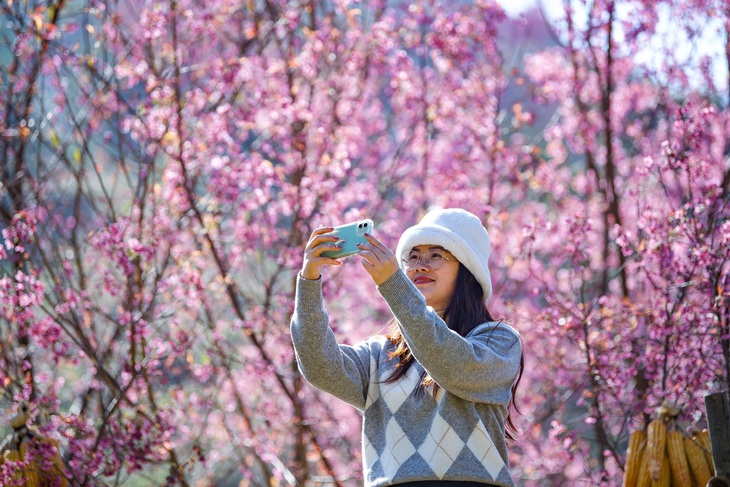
(341, 370)
(480, 367)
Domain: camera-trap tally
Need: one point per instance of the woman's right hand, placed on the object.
(320, 241)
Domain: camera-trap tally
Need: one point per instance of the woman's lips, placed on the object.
(422, 280)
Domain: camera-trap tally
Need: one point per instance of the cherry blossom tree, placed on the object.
(629, 230)
(165, 162)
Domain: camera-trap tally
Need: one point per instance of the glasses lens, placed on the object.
(410, 259)
(435, 259)
(432, 258)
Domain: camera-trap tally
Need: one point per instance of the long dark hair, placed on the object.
(466, 310)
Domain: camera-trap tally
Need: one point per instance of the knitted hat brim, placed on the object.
(437, 235)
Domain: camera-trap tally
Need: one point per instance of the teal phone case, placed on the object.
(353, 234)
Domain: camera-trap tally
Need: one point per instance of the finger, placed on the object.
(367, 265)
(325, 261)
(315, 256)
(368, 257)
(321, 239)
(366, 249)
(381, 251)
(376, 243)
(318, 249)
(320, 231)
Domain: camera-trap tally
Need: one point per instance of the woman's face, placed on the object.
(436, 285)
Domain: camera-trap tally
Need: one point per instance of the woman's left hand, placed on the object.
(378, 260)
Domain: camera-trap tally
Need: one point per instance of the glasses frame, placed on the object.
(422, 259)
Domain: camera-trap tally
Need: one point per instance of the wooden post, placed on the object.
(718, 423)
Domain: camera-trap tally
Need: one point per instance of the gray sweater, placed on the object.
(458, 434)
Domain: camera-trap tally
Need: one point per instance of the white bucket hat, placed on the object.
(457, 231)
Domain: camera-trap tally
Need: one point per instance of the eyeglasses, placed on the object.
(432, 258)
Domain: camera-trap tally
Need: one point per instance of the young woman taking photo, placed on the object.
(436, 391)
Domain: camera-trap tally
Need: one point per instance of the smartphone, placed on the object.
(353, 234)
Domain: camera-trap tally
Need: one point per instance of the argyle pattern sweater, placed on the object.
(458, 434)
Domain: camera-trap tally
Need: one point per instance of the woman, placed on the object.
(436, 392)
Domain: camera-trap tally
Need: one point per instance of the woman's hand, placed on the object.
(378, 260)
(320, 241)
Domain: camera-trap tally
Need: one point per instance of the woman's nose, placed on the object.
(421, 265)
